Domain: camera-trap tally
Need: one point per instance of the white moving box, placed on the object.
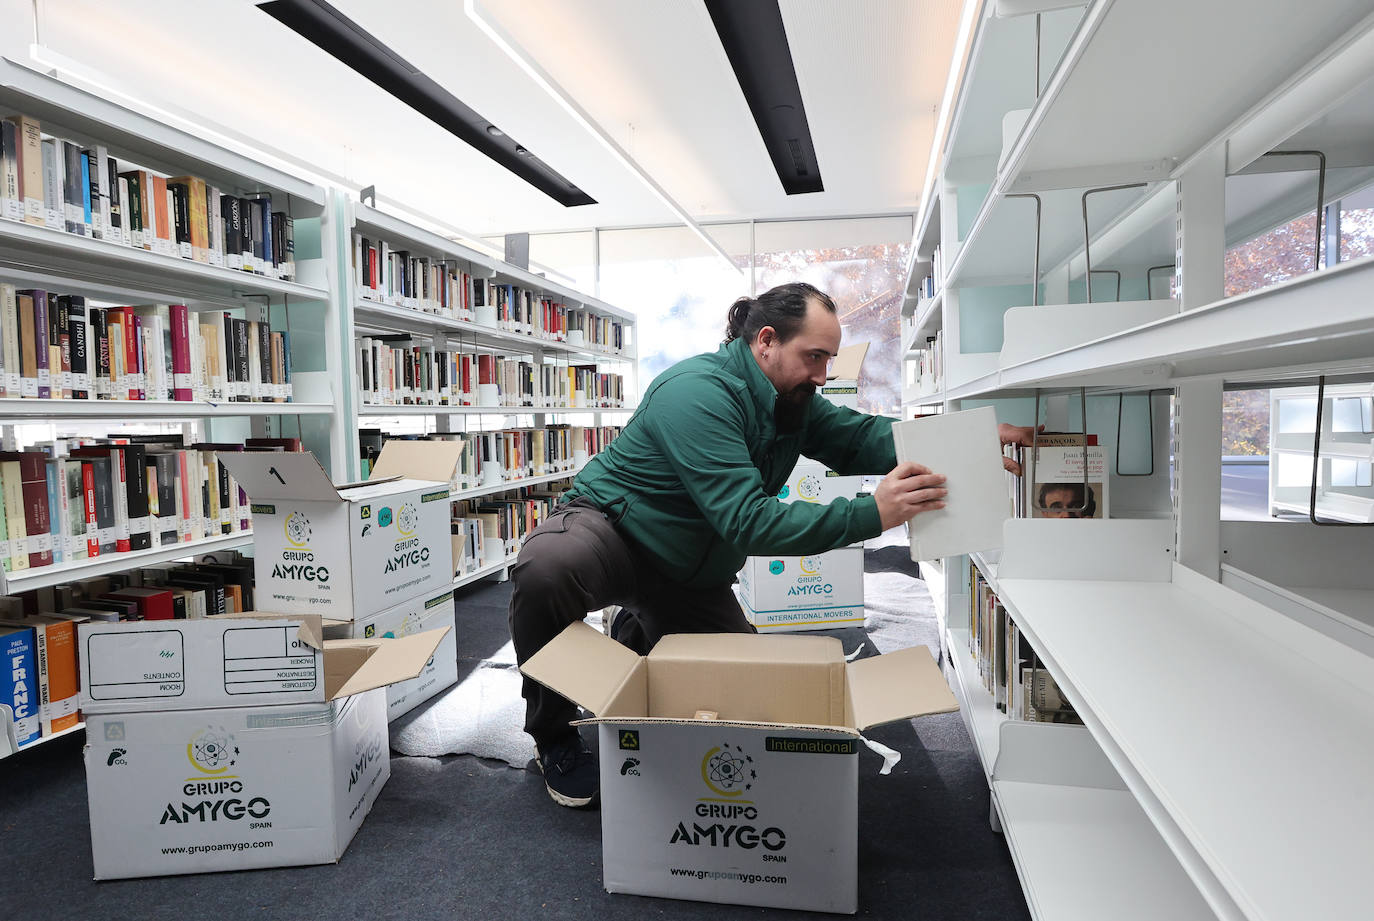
(842, 382)
(282, 776)
(342, 552)
(815, 483)
(759, 806)
(804, 592)
(417, 615)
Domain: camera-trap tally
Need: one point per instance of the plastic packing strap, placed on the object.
(890, 756)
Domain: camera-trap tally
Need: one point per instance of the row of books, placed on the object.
(508, 455)
(40, 682)
(401, 371)
(926, 372)
(56, 346)
(494, 528)
(83, 498)
(1053, 483)
(1007, 665)
(59, 184)
(400, 278)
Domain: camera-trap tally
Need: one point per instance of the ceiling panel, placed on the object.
(653, 75)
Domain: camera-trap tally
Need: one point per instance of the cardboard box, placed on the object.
(342, 552)
(407, 619)
(195, 791)
(758, 807)
(234, 661)
(842, 381)
(815, 483)
(804, 592)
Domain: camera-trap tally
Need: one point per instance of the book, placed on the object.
(964, 448)
(1054, 481)
(18, 681)
(29, 164)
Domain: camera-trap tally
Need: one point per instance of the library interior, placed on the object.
(598, 459)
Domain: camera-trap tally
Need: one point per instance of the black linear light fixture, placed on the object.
(756, 44)
(343, 38)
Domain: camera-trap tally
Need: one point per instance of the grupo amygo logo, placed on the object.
(298, 532)
(728, 770)
(212, 750)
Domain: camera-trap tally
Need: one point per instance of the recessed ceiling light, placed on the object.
(344, 39)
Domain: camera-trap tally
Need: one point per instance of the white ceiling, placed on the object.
(652, 73)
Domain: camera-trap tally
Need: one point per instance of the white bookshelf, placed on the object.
(107, 273)
(57, 573)
(1220, 772)
(495, 568)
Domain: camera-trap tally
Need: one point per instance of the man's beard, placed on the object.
(791, 408)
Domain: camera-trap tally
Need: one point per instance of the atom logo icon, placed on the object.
(298, 529)
(728, 770)
(810, 565)
(213, 751)
(809, 487)
(406, 519)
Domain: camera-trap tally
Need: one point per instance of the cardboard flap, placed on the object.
(418, 460)
(582, 664)
(354, 666)
(847, 363)
(274, 475)
(897, 686)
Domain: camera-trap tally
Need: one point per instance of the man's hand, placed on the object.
(906, 492)
(1015, 435)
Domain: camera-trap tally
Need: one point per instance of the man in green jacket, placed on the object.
(662, 519)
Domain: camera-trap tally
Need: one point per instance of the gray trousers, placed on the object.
(576, 561)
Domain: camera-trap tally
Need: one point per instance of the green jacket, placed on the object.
(693, 479)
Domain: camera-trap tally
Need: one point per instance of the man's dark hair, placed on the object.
(783, 308)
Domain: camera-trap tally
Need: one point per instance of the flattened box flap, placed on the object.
(277, 475)
(420, 460)
(354, 666)
(748, 677)
(584, 665)
(847, 363)
(896, 686)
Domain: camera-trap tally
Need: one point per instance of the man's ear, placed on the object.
(767, 336)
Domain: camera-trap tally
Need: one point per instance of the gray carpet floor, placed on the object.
(469, 836)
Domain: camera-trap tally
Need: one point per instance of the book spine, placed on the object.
(11, 202)
(56, 537)
(54, 172)
(42, 357)
(181, 353)
(61, 322)
(242, 361)
(37, 518)
(80, 348)
(29, 147)
(106, 186)
(86, 181)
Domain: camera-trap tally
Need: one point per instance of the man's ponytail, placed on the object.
(736, 319)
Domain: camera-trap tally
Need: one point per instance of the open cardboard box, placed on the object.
(758, 805)
(346, 551)
(842, 380)
(235, 778)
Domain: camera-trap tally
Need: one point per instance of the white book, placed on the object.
(255, 389)
(216, 220)
(964, 448)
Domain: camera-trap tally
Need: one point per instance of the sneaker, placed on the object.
(609, 615)
(570, 772)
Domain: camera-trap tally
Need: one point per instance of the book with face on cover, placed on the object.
(964, 448)
(1054, 481)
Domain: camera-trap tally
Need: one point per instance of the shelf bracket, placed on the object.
(1087, 236)
(1321, 198)
(1035, 276)
(1316, 465)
